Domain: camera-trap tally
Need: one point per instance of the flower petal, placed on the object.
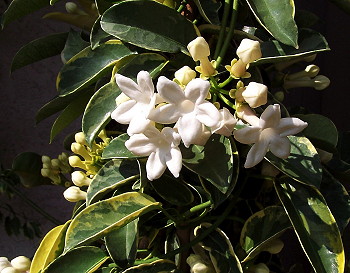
(207, 114)
(280, 147)
(170, 91)
(165, 114)
(125, 112)
(270, 117)
(140, 145)
(256, 153)
(290, 126)
(138, 124)
(154, 166)
(190, 129)
(174, 161)
(247, 135)
(145, 83)
(197, 90)
(128, 87)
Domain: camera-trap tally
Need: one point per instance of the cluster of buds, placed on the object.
(20, 264)
(54, 168)
(89, 160)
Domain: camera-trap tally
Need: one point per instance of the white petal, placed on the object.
(125, 112)
(208, 114)
(174, 162)
(140, 145)
(170, 91)
(247, 135)
(190, 129)
(128, 87)
(270, 117)
(227, 123)
(154, 166)
(171, 136)
(256, 153)
(145, 83)
(138, 125)
(280, 147)
(165, 114)
(197, 90)
(290, 126)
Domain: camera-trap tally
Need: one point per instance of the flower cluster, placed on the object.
(20, 264)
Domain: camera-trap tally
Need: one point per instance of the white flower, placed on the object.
(226, 125)
(21, 263)
(187, 108)
(162, 149)
(249, 51)
(255, 94)
(142, 100)
(270, 133)
(184, 75)
(199, 49)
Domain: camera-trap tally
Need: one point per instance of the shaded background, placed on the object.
(27, 89)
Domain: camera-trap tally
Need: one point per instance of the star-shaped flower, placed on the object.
(160, 147)
(269, 133)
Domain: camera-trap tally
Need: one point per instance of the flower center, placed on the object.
(186, 106)
(268, 133)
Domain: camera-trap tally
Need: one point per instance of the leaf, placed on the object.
(98, 219)
(220, 250)
(112, 175)
(209, 10)
(344, 5)
(89, 65)
(39, 49)
(122, 244)
(310, 42)
(74, 45)
(49, 249)
(277, 17)
(262, 227)
(153, 267)
(98, 111)
(303, 163)
(311, 217)
(321, 131)
(214, 161)
(74, 109)
(103, 5)
(144, 29)
(71, 261)
(20, 8)
(97, 35)
(116, 148)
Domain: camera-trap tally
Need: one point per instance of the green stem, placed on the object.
(225, 100)
(226, 82)
(197, 208)
(227, 8)
(229, 34)
(182, 6)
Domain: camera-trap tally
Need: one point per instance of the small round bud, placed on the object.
(249, 51)
(255, 94)
(46, 159)
(10, 270)
(21, 263)
(75, 161)
(80, 138)
(184, 75)
(74, 194)
(199, 49)
(321, 82)
(4, 262)
(80, 179)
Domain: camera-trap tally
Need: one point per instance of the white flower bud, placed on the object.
(80, 179)
(79, 149)
(10, 270)
(80, 138)
(46, 159)
(75, 161)
(310, 71)
(199, 49)
(21, 263)
(255, 94)
(4, 262)
(249, 51)
(321, 82)
(184, 75)
(238, 69)
(74, 194)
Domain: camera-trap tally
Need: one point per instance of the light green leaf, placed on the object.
(71, 261)
(98, 219)
(144, 29)
(303, 163)
(39, 49)
(277, 17)
(112, 175)
(154, 267)
(314, 225)
(73, 46)
(262, 227)
(89, 65)
(122, 244)
(116, 148)
(214, 161)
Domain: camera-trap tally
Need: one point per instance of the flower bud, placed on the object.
(79, 149)
(80, 179)
(249, 51)
(320, 82)
(21, 263)
(184, 75)
(46, 159)
(199, 49)
(121, 98)
(80, 138)
(310, 71)
(237, 69)
(255, 94)
(4, 262)
(206, 68)
(10, 270)
(74, 194)
(246, 113)
(75, 161)
(197, 265)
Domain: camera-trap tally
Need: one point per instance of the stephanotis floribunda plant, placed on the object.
(187, 159)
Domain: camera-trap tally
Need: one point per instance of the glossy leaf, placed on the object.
(220, 250)
(97, 34)
(214, 161)
(89, 65)
(277, 17)
(143, 28)
(116, 148)
(74, 45)
(98, 219)
(154, 267)
(262, 227)
(122, 244)
(303, 163)
(321, 131)
(103, 5)
(39, 49)
(209, 10)
(49, 249)
(310, 42)
(98, 111)
(71, 261)
(112, 175)
(311, 217)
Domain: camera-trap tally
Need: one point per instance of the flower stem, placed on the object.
(225, 100)
(226, 82)
(227, 7)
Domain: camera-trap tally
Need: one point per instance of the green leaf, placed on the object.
(303, 163)
(154, 267)
(321, 131)
(311, 217)
(277, 17)
(144, 29)
(71, 261)
(113, 174)
(20, 8)
(116, 148)
(74, 109)
(214, 161)
(98, 219)
(262, 227)
(98, 111)
(209, 10)
(122, 244)
(103, 5)
(97, 34)
(89, 65)
(39, 49)
(310, 42)
(50, 248)
(220, 250)
(74, 45)
(173, 190)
